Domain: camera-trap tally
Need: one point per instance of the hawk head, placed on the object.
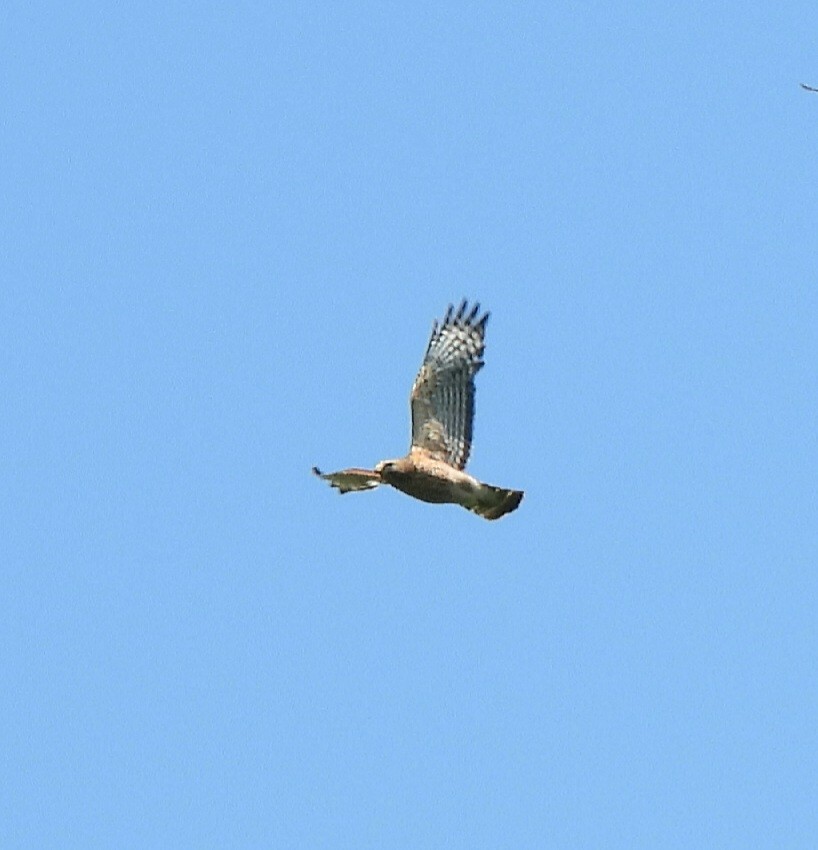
(392, 468)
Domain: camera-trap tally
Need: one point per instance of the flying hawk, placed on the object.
(442, 403)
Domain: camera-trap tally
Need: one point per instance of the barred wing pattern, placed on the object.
(442, 398)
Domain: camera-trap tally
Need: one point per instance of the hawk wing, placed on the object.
(442, 398)
(350, 480)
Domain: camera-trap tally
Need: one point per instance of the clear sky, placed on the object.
(226, 230)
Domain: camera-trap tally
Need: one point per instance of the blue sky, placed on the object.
(226, 232)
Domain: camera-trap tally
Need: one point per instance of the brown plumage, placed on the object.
(442, 403)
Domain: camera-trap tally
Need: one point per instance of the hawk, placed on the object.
(442, 404)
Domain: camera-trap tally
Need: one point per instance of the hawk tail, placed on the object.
(495, 502)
